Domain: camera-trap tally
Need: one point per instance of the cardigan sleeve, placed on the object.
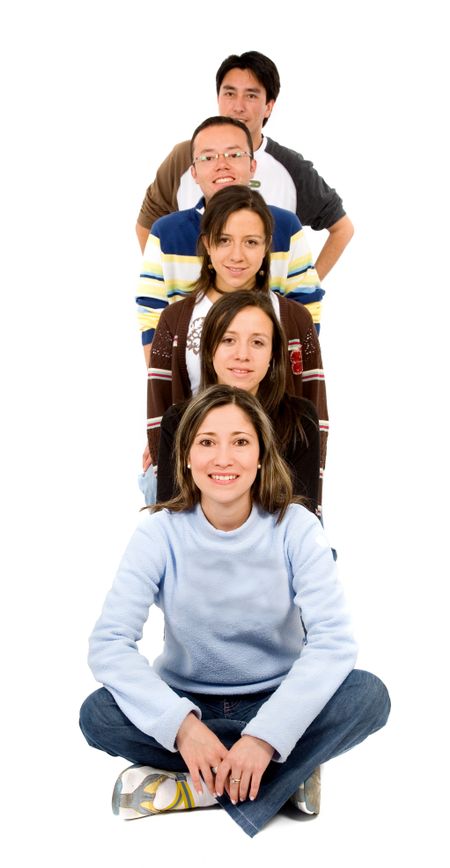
(329, 650)
(159, 383)
(114, 658)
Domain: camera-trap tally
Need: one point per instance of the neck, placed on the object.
(257, 139)
(227, 516)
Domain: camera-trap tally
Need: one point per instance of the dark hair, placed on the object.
(222, 121)
(219, 208)
(272, 488)
(262, 67)
(272, 388)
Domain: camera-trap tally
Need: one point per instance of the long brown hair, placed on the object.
(272, 488)
(220, 207)
(272, 389)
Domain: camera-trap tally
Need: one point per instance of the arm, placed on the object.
(159, 382)
(151, 296)
(166, 459)
(142, 233)
(340, 233)
(303, 454)
(114, 657)
(161, 195)
(328, 654)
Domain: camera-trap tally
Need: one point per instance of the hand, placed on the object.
(146, 458)
(245, 763)
(201, 751)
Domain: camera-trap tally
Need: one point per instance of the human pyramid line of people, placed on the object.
(255, 687)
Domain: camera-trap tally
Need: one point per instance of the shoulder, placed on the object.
(172, 314)
(285, 220)
(175, 222)
(299, 523)
(172, 417)
(292, 160)
(303, 408)
(181, 154)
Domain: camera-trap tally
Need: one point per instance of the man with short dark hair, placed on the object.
(247, 87)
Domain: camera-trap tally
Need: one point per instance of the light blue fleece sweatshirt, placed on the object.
(234, 605)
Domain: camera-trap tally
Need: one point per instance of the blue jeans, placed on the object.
(147, 483)
(359, 707)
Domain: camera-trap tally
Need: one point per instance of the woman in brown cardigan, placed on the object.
(235, 241)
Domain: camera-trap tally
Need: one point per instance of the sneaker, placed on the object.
(307, 797)
(135, 790)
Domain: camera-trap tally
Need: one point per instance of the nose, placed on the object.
(222, 457)
(222, 162)
(238, 104)
(241, 351)
(236, 252)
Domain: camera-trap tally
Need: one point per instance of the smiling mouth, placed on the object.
(223, 477)
(240, 371)
(225, 180)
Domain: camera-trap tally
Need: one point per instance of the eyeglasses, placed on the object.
(229, 155)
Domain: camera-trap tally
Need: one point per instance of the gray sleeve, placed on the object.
(318, 205)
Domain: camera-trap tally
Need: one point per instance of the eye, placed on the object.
(205, 441)
(223, 240)
(227, 340)
(241, 442)
(258, 343)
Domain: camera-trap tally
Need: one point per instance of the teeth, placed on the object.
(222, 477)
(224, 180)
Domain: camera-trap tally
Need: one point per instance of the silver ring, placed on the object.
(214, 770)
(235, 780)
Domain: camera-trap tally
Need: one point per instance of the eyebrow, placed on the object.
(249, 235)
(252, 334)
(214, 150)
(214, 433)
(246, 89)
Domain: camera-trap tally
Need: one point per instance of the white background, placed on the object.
(93, 97)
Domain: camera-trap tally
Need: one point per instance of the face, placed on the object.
(224, 458)
(212, 175)
(245, 350)
(243, 97)
(240, 251)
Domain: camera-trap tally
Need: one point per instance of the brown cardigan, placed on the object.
(168, 380)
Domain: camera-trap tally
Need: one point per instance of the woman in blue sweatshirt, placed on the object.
(255, 687)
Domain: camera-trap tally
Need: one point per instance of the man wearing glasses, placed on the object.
(247, 87)
(221, 155)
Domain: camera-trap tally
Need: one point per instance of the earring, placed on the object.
(210, 265)
(188, 466)
(261, 272)
(259, 467)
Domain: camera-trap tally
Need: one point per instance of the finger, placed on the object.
(194, 772)
(208, 778)
(254, 786)
(244, 785)
(235, 782)
(221, 776)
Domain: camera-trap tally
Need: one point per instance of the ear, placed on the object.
(269, 244)
(205, 243)
(252, 167)
(194, 173)
(269, 107)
